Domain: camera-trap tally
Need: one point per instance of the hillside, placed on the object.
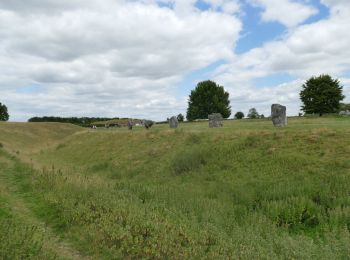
(247, 190)
(30, 138)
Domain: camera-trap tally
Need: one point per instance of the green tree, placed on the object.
(207, 98)
(4, 115)
(239, 115)
(321, 95)
(180, 117)
(253, 114)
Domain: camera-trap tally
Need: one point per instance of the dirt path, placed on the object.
(51, 241)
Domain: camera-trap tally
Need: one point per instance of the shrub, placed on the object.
(253, 113)
(239, 115)
(22, 242)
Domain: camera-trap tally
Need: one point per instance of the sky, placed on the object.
(142, 58)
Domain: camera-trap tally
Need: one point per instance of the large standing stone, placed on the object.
(130, 124)
(215, 120)
(279, 115)
(148, 124)
(173, 122)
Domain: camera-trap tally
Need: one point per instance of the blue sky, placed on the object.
(142, 58)
(255, 33)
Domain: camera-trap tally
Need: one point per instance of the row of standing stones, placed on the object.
(278, 116)
(146, 123)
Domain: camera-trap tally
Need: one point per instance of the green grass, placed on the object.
(247, 190)
(20, 238)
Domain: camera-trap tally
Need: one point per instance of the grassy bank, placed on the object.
(247, 190)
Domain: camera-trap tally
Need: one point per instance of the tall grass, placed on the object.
(19, 239)
(237, 192)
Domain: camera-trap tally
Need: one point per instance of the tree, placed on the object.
(321, 95)
(239, 115)
(262, 116)
(253, 114)
(207, 98)
(180, 117)
(4, 115)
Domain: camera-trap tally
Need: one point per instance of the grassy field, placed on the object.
(244, 191)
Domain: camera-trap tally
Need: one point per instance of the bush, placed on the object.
(180, 117)
(19, 241)
(239, 115)
(253, 114)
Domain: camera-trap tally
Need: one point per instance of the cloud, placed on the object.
(227, 6)
(305, 51)
(108, 58)
(290, 13)
(127, 58)
(242, 99)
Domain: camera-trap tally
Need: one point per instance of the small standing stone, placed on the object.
(215, 120)
(130, 124)
(148, 124)
(279, 115)
(173, 122)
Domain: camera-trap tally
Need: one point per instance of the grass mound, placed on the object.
(247, 191)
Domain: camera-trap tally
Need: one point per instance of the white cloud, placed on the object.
(242, 99)
(305, 51)
(227, 6)
(188, 6)
(126, 58)
(287, 12)
(108, 58)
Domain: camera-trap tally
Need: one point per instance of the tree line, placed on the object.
(81, 121)
(319, 95)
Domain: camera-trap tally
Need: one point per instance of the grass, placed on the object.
(20, 238)
(247, 190)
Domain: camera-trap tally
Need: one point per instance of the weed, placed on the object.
(60, 146)
(193, 138)
(188, 160)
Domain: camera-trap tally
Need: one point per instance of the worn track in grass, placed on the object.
(19, 208)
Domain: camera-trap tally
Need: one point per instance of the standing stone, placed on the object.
(148, 123)
(344, 113)
(130, 124)
(279, 115)
(215, 120)
(173, 122)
